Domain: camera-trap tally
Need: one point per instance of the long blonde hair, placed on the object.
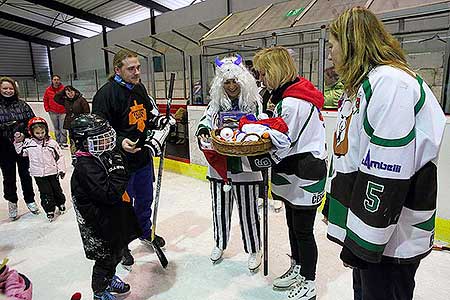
(365, 44)
(277, 65)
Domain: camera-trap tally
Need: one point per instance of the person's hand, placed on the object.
(61, 174)
(114, 162)
(18, 137)
(130, 146)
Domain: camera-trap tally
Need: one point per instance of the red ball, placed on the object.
(76, 296)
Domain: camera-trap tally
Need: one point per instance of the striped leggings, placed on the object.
(245, 195)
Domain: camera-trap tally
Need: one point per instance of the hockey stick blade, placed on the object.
(161, 256)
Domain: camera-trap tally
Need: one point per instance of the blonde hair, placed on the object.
(10, 80)
(277, 65)
(119, 57)
(365, 44)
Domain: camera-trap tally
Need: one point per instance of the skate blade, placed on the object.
(216, 262)
(282, 289)
(123, 295)
(255, 270)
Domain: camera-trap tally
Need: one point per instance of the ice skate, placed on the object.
(288, 279)
(303, 290)
(118, 287)
(50, 216)
(216, 255)
(62, 209)
(12, 211)
(159, 241)
(105, 295)
(33, 208)
(127, 260)
(254, 261)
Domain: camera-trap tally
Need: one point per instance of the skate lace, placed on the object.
(117, 284)
(106, 296)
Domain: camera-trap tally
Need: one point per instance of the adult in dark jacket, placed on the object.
(141, 132)
(107, 224)
(14, 117)
(74, 104)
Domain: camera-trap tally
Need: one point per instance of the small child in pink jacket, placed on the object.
(14, 285)
(46, 164)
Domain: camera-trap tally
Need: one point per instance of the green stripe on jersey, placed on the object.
(316, 187)
(421, 101)
(279, 108)
(364, 244)
(428, 225)
(279, 180)
(337, 212)
(376, 140)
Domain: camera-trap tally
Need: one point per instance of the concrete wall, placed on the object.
(88, 51)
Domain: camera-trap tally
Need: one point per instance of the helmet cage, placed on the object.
(100, 143)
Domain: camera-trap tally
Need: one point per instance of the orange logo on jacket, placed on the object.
(138, 115)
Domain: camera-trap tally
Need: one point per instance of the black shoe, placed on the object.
(159, 241)
(117, 287)
(127, 258)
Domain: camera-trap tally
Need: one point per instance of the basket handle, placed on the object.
(249, 134)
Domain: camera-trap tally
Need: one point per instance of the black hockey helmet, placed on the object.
(91, 133)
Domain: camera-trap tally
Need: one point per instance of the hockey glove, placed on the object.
(155, 139)
(114, 162)
(161, 120)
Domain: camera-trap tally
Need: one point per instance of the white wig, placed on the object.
(233, 68)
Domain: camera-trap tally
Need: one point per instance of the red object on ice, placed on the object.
(274, 123)
(218, 162)
(76, 296)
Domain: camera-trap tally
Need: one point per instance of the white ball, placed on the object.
(226, 133)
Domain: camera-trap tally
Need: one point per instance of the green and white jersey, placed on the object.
(382, 197)
(300, 174)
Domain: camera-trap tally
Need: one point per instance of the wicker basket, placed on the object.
(248, 148)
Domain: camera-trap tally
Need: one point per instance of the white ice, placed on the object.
(51, 255)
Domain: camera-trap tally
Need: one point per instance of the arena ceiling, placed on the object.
(53, 23)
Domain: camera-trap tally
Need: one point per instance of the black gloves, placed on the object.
(114, 162)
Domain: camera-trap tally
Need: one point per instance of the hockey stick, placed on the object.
(265, 174)
(441, 247)
(161, 256)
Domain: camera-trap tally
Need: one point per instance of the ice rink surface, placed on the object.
(51, 254)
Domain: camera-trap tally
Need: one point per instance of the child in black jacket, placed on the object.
(107, 224)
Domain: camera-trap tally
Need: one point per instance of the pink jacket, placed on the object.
(45, 156)
(14, 285)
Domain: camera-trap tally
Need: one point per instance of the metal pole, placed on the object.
(74, 61)
(165, 75)
(49, 57)
(300, 55)
(96, 79)
(148, 73)
(32, 60)
(445, 94)
(184, 75)
(37, 89)
(191, 81)
(323, 35)
(203, 74)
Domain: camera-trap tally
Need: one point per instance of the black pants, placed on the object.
(8, 161)
(50, 192)
(385, 281)
(103, 271)
(301, 237)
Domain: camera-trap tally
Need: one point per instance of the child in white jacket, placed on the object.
(46, 164)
